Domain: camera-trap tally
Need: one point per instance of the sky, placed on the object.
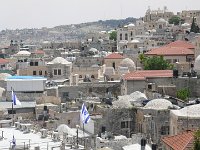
(18, 14)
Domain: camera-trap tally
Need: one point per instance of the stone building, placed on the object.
(153, 119)
(186, 118)
(145, 80)
(59, 68)
(154, 15)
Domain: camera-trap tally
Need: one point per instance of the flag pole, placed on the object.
(83, 136)
(12, 107)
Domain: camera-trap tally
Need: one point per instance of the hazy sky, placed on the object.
(48, 13)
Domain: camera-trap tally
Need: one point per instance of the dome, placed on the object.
(94, 50)
(25, 53)
(135, 41)
(189, 111)
(3, 76)
(197, 64)
(161, 20)
(59, 60)
(158, 104)
(64, 128)
(185, 24)
(131, 25)
(127, 62)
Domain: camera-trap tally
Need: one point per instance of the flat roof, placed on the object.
(26, 78)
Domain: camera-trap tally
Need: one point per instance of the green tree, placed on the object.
(197, 140)
(175, 20)
(113, 35)
(155, 63)
(194, 27)
(183, 94)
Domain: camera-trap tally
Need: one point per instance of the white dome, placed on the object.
(131, 25)
(135, 41)
(93, 50)
(189, 111)
(185, 24)
(25, 53)
(60, 60)
(127, 62)
(197, 64)
(161, 20)
(158, 104)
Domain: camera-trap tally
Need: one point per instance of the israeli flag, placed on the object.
(15, 99)
(84, 114)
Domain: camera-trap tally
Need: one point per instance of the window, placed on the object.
(59, 71)
(68, 122)
(126, 36)
(36, 63)
(131, 33)
(120, 37)
(31, 63)
(124, 124)
(175, 60)
(40, 73)
(80, 76)
(55, 72)
(165, 130)
(34, 73)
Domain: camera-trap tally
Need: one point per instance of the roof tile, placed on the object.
(114, 56)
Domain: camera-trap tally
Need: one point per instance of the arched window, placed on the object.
(80, 76)
(92, 76)
(126, 36)
(120, 36)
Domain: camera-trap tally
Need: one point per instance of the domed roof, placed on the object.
(135, 41)
(59, 60)
(158, 104)
(197, 64)
(23, 53)
(127, 62)
(161, 20)
(189, 111)
(185, 24)
(131, 25)
(3, 76)
(93, 50)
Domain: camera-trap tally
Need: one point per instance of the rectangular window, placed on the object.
(55, 72)
(40, 73)
(59, 71)
(31, 63)
(34, 73)
(124, 124)
(36, 63)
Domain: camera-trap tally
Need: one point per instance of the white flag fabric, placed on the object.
(84, 114)
(15, 99)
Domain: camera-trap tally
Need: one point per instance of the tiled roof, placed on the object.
(114, 56)
(39, 52)
(180, 141)
(179, 43)
(143, 74)
(3, 61)
(170, 51)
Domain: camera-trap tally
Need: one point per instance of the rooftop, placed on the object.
(3, 61)
(143, 74)
(24, 77)
(180, 43)
(114, 56)
(181, 141)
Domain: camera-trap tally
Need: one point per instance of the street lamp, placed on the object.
(77, 127)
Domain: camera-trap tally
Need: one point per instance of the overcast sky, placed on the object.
(48, 13)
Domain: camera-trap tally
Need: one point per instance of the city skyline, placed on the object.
(50, 13)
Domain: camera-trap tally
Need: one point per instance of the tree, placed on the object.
(194, 27)
(175, 20)
(113, 35)
(183, 94)
(155, 63)
(197, 140)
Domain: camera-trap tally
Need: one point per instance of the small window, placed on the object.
(55, 72)
(68, 122)
(120, 37)
(59, 71)
(31, 63)
(36, 63)
(34, 73)
(40, 73)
